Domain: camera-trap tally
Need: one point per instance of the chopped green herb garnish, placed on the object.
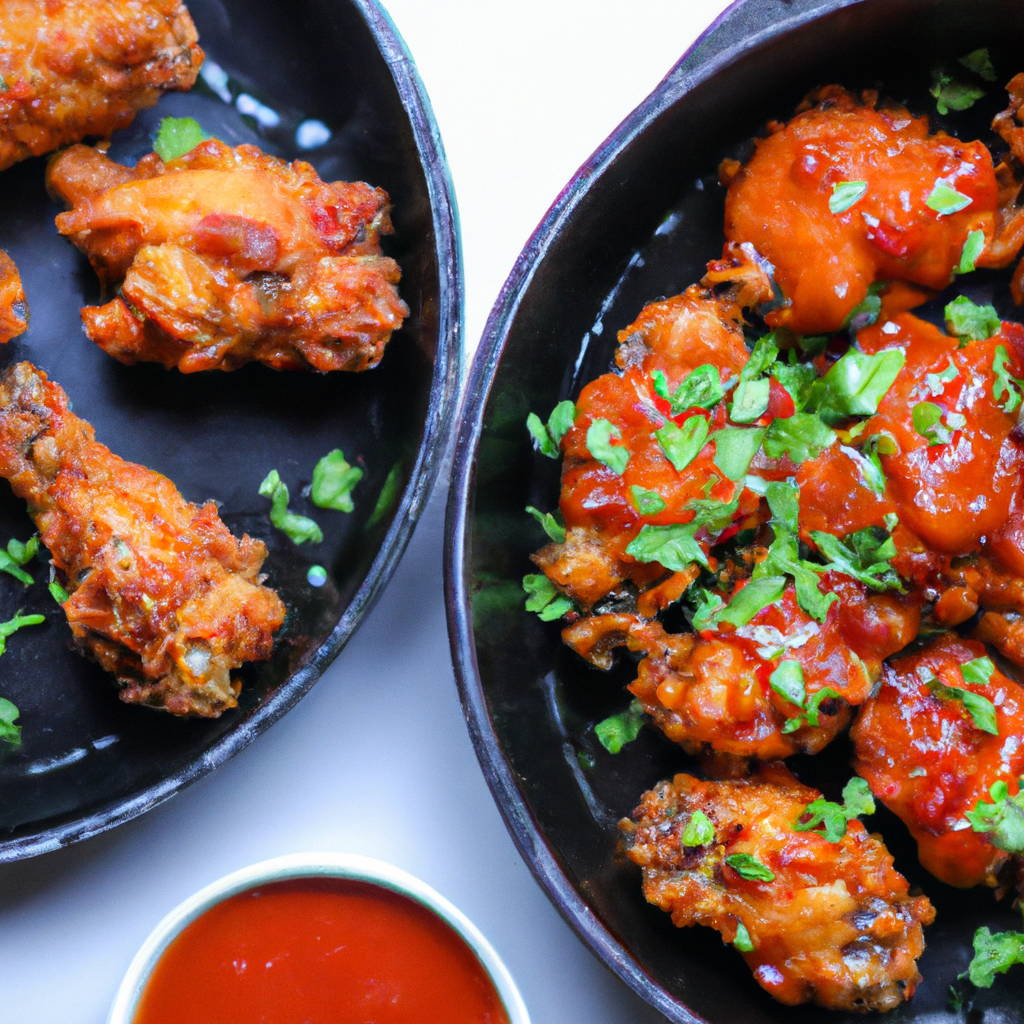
(1006, 390)
(599, 444)
(801, 436)
(618, 730)
(707, 608)
(682, 445)
(871, 469)
(544, 598)
(547, 439)
(387, 497)
(743, 942)
(762, 357)
(845, 194)
(927, 419)
(699, 831)
(57, 592)
(333, 480)
(9, 714)
(855, 384)
(978, 671)
(972, 250)
(747, 602)
(788, 682)
(746, 865)
(701, 388)
(552, 527)
(735, 448)
(994, 954)
(946, 200)
(980, 708)
(17, 555)
(863, 555)
(950, 95)
(1002, 819)
(970, 322)
(796, 378)
(648, 503)
(177, 136)
(675, 546)
(980, 63)
(13, 625)
(935, 382)
(750, 400)
(298, 528)
(833, 819)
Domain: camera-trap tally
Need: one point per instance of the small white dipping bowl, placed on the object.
(312, 865)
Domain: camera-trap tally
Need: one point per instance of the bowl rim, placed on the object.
(743, 26)
(437, 437)
(351, 866)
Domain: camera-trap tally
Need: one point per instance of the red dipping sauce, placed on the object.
(319, 951)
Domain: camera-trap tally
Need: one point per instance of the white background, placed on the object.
(377, 760)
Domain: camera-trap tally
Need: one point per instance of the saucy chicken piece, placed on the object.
(227, 255)
(831, 923)
(71, 69)
(928, 759)
(906, 203)
(160, 592)
(13, 307)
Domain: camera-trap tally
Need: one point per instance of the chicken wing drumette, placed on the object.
(13, 307)
(226, 255)
(817, 921)
(70, 69)
(160, 593)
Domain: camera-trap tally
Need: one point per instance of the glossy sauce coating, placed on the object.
(319, 952)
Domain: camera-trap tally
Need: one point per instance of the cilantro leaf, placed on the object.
(13, 625)
(994, 954)
(1004, 384)
(333, 480)
(618, 730)
(743, 942)
(177, 136)
(707, 607)
(833, 819)
(544, 598)
(871, 469)
(796, 378)
(750, 400)
(17, 555)
(980, 63)
(701, 388)
(682, 445)
(972, 250)
(863, 555)
(648, 503)
(801, 436)
(298, 528)
(735, 448)
(1002, 819)
(673, 546)
(552, 527)
(599, 444)
(980, 708)
(944, 199)
(762, 356)
(950, 95)
(547, 439)
(927, 419)
(845, 194)
(8, 716)
(855, 384)
(788, 681)
(746, 865)
(970, 322)
(978, 671)
(866, 312)
(755, 595)
(699, 831)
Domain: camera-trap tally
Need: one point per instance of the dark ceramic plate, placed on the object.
(640, 220)
(88, 761)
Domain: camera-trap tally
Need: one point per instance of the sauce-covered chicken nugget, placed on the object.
(817, 920)
(70, 69)
(226, 255)
(160, 593)
(13, 307)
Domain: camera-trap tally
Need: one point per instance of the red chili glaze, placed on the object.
(927, 761)
(319, 952)
(826, 261)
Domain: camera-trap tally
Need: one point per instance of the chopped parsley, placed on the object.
(971, 322)
(747, 866)
(832, 819)
(750, 398)
(701, 388)
(552, 527)
(17, 555)
(972, 250)
(177, 136)
(788, 682)
(675, 546)
(855, 384)
(994, 954)
(9, 714)
(599, 444)
(698, 831)
(682, 445)
(544, 598)
(1006, 390)
(944, 199)
(1002, 819)
(845, 194)
(648, 503)
(333, 480)
(863, 555)
(12, 626)
(298, 528)
(616, 731)
(547, 439)
(748, 601)
(979, 707)
(801, 436)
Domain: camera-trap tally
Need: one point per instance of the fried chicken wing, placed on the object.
(161, 594)
(927, 758)
(817, 921)
(13, 307)
(227, 255)
(70, 69)
(847, 194)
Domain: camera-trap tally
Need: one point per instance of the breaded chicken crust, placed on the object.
(13, 307)
(71, 69)
(834, 925)
(226, 255)
(160, 592)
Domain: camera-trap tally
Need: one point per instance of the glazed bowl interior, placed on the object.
(640, 221)
(313, 867)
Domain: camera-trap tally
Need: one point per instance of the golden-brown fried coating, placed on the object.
(75, 68)
(13, 307)
(161, 594)
(898, 229)
(226, 255)
(927, 760)
(834, 925)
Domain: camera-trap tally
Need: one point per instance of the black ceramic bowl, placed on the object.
(639, 221)
(88, 761)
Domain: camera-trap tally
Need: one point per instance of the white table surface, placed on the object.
(376, 759)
